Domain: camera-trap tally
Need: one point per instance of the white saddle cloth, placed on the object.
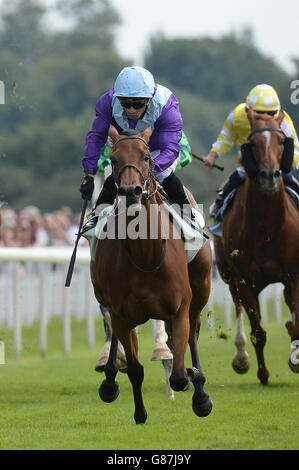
(192, 231)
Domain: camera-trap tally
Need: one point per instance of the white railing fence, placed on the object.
(32, 289)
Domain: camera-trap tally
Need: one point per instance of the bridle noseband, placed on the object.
(271, 129)
(146, 181)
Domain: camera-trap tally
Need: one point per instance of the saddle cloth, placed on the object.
(192, 231)
(216, 229)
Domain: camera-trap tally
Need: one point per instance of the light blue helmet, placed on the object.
(134, 82)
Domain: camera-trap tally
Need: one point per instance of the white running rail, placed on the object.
(32, 290)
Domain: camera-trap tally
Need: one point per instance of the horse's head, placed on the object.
(269, 152)
(131, 164)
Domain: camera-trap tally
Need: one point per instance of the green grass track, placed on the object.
(53, 403)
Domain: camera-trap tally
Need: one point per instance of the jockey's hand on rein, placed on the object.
(87, 187)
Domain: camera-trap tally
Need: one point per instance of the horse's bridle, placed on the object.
(146, 181)
(146, 196)
(271, 129)
(247, 155)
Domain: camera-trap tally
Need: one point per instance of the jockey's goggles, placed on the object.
(136, 103)
(271, 113)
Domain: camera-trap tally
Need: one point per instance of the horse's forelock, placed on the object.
(129, 132)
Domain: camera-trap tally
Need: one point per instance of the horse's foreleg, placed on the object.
(109, 389)
(179, 380)
(291, 294)
(241, 361)
(258, 334)
(134, 368)
(201, 403)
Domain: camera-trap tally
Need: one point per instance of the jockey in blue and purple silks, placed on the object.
(137, 102)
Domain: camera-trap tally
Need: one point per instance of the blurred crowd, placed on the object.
(30, 227)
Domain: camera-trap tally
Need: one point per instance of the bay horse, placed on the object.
(260, 242)
(149, 278)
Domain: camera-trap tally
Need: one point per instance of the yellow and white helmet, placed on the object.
(263, 98)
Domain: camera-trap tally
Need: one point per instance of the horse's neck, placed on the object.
(150, 230)
(262, 208)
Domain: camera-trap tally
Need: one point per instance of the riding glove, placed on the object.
(87, 187)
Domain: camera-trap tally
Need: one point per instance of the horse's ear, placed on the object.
(113, 134)
(146, 134)
(280, 116)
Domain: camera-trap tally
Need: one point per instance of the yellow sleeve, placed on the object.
(227, 136)
(289, 129)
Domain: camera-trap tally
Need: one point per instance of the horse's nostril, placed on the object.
(277, 173)
(263, 174)
(138, 190)
(121, 191)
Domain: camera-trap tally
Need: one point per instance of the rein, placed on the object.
(146, 196)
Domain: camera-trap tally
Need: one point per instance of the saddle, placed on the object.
(216, 229)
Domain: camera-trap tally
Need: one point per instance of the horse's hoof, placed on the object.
(202, 409)
(263, 377)
(193, 373)
(180, 385)
(293, 366)
(288, 326)
(109, 391)
(121, 366)
(100, 367)
(140, 418)
(241, 364)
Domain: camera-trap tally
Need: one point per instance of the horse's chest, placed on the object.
(258, 258)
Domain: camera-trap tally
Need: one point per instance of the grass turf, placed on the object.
(53, 403)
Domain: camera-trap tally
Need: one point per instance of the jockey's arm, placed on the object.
(169, 131)
(97, 136)
(224, 142)
(289, 129)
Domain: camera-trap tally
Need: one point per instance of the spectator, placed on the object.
(30, 227)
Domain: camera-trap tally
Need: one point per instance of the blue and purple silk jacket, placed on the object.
(162, 115)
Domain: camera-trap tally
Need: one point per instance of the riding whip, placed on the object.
(73, 258)
(221, 168)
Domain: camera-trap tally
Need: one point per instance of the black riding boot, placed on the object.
(232, 182)
(107, 196)
(176, 191)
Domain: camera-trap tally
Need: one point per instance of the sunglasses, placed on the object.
(137, 103)
(271, 113)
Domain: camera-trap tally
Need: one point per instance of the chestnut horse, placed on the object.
(149, 277)
(261, 238)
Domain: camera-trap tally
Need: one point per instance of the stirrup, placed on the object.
(92, 221)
